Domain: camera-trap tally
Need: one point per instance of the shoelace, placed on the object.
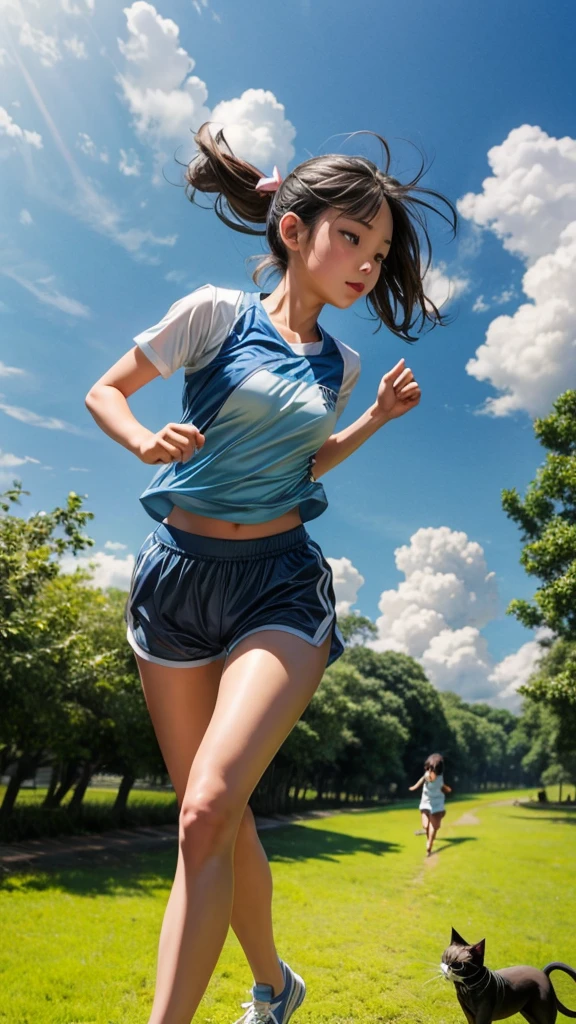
(257, 1013)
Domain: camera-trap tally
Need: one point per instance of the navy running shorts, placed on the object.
(193, 598)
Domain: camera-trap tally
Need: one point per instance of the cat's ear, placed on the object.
(457, 939)
(478, 951)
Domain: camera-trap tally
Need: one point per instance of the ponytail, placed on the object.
(216, 169)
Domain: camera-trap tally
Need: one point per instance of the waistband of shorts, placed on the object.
(215, 547)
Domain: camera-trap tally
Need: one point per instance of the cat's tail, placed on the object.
(558, 966)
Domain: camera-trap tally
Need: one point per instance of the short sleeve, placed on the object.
(350, 375)
(182, 336)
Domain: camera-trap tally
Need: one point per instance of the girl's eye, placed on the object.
(351, 237)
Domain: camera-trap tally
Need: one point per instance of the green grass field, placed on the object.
(359, 912)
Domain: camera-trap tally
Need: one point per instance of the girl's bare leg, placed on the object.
(181, 702)
(434, 825)
(265, 686)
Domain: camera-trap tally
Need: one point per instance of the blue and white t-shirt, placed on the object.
(264, 405)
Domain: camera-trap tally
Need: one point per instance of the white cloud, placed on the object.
(114, 545)
(531, 196)
(69, 7)
(107, 571)
(50, 296)
(167, 101)
(437, 612)
(40, 42)
(8, 460)
(10, 371)
(515, 670)
(531, 355)
(176, 276)
(76, 47)
(347, 583)
(441, 288)
(480, 306)
(33, 419)
(505, 296)
(14, 131)
(77, 469)
(87, 146)
(26, 218)
(257, 129)
(130, 164)
(530, 203)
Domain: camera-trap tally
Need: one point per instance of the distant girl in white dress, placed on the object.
(432, 801)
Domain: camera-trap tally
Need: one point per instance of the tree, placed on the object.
(356, 629)
(547, 518)
(425, 718)
(34, 634)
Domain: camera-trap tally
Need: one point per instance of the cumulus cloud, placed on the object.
(347, 583)
(76, 47)
(167, 101)
(514, 671)
(12, 130)
(25, 218)
(441, 288)
(256, 128)
(531, 355)
(43, 44)
(530, 203)
(107, 570)
(130, 164)
(114, 545)
(531, 195)
(437, 612)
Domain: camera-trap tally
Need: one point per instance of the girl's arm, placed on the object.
(107, 401)
(397, 394)
(416, 785)
(446, 789)
(339, 446)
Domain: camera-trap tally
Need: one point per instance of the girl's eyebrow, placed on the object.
(366, 224)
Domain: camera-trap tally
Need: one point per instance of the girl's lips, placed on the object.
(357, 287)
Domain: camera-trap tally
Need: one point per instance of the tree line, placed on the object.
(70, 695)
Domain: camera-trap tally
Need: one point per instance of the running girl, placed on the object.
(432, 801)
(231, 611)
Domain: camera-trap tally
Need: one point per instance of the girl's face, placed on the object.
(342, 258)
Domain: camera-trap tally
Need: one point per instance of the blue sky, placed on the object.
(96, 244)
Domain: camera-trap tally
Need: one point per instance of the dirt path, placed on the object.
(467, 819)
(104, 847)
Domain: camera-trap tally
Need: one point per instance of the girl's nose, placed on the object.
(366, 267)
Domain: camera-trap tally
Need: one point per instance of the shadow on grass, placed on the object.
(557, 819)
(143, 873)
(456, 841)
(296, 842)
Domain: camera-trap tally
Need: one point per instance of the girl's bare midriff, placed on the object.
(225, 530)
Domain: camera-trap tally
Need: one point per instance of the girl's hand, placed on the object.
(176, 442)
(398, 391)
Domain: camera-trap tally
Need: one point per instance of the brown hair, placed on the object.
(352, 184)
(434, 763)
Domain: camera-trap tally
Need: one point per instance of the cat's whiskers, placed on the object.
(437, 977)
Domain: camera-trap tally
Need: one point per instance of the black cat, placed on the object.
(486, 995)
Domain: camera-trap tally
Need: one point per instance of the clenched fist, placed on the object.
(176, 442)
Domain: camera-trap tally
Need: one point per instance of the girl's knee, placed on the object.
(208, 824)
